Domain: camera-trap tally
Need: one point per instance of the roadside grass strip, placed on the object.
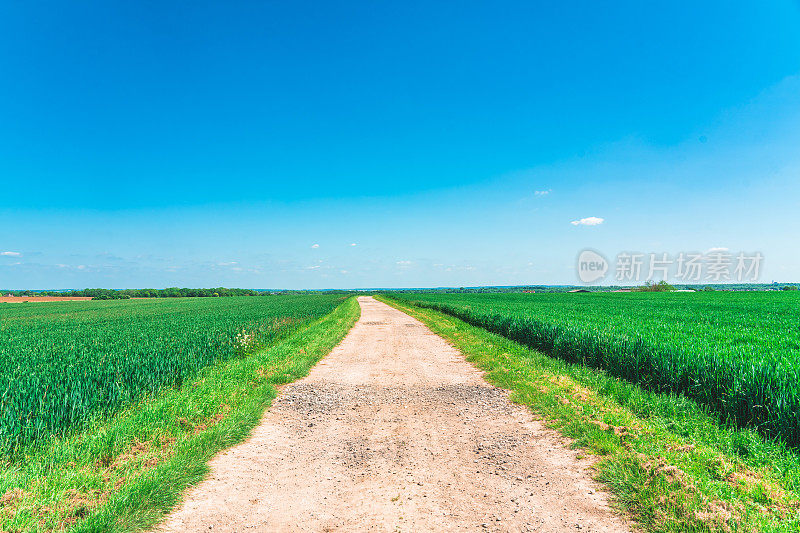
(670, 465)
(125, 473)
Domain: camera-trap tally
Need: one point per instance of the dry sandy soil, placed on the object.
(20, 299)
(395, 431)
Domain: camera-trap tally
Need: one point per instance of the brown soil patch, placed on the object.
(20, 299)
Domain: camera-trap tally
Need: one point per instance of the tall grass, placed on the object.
(737, 354)
(64, 364)
(122, 473)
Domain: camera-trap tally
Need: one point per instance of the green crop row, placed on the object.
(63, 365)
(736, 353)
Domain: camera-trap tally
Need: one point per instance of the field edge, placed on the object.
(658, 477)
(80, 486)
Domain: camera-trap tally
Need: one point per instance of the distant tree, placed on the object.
(649, 286)
(789, 288)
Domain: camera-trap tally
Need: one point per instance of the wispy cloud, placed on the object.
(404, 263)
(717, 250)
(11, 254)
(315, 245)
(588, 221)
(542, 193)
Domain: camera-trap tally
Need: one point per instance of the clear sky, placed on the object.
(363, 144)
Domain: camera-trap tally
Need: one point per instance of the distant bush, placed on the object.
(649, 286)
(789, 288)
(113, 296)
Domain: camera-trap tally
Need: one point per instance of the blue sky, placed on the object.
(304, 145)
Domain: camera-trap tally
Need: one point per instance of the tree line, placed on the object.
(124, 294)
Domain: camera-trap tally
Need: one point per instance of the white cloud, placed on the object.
(315, 245)
(11, 254)
(228, 263)
(404, 263)
(588, 221)
(352, 244)
(344, 272)
(717, 250)
(542, 193)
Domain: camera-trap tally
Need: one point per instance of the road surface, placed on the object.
(395, 431)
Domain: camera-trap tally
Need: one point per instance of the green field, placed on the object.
(63, 365)
(736, 353)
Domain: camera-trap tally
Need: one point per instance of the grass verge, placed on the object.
(126, 473)
(670, 465)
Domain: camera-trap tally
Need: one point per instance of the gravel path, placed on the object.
(394, 431)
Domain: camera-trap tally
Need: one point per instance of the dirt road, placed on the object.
(394, 431)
